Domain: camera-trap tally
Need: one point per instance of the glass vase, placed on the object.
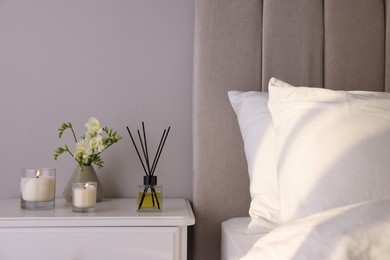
(149, 195)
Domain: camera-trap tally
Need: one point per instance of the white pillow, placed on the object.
(332, 147)
(354, 232)
(258, 135)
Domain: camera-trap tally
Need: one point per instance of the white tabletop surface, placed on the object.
(109, 213)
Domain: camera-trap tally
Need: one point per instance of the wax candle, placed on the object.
(36, 187)
(84, 196)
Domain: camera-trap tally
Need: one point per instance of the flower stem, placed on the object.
(74, 135)
(71, 154)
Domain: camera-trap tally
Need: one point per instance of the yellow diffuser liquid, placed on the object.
(149, 198)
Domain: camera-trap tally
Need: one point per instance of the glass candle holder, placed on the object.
(149, 195)
(37, 188)
(84, 197)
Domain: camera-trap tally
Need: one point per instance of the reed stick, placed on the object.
(136, 149)
(159, 153)
(146, 147)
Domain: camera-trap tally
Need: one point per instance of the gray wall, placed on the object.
(122, 61)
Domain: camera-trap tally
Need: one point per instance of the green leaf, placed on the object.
(61, 150)
(63, 127)
(97, 161)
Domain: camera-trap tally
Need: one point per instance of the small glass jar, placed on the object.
(149, 195)
(38, 188)
(84, 197)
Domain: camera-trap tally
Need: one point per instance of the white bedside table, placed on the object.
(115, 231)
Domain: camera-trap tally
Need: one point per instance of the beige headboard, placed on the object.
(239, 45)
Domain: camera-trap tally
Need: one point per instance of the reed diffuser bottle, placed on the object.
(149, 195)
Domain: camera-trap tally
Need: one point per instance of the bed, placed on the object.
(254, 46)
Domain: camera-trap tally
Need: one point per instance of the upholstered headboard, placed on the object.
(239, 45)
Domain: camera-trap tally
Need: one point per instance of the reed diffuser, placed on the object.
(149, 195)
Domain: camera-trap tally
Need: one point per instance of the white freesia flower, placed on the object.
(97, 143)
(88, 153)
(93, 126)
(100, 143)
(80, 150)
(92, 142)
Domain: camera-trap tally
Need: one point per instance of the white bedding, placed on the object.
(359, 231)
(331, 151)
(235, 239)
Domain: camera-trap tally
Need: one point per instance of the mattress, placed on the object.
(236, 242)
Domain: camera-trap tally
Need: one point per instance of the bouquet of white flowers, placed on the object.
(92, 143)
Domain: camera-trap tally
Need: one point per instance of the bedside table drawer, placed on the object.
(115, 231)
(91, 243)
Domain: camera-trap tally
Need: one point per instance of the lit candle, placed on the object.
(84, 196)
(36, 186)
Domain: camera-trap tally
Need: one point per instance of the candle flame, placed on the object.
(37, 174)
